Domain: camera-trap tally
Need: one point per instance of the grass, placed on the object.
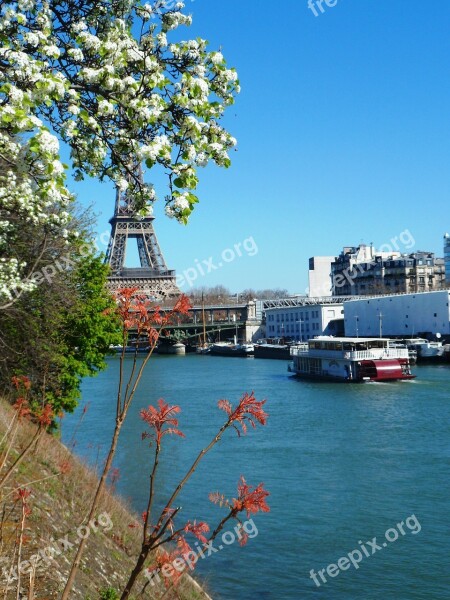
(59, 501)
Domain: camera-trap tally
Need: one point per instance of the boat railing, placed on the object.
(375, 354)
(379, 354)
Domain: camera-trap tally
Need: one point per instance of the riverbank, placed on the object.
(61, 489)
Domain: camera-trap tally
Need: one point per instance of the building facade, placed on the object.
(447, 258)
(319, 276)
(303, 322)
(362, 271)
(408, 315)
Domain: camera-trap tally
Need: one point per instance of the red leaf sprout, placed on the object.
(158, 419)
(248, 410)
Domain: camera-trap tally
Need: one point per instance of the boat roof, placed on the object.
(355, 340)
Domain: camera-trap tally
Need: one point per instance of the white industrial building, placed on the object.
(301, 319)
(406, 315)
(319, 276)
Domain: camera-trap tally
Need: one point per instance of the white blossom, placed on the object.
(52, 51)
(76, 54)
(217, 58)
(105, 107)
(49, 143)
(31, 38)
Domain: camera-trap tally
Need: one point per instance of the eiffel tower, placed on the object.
(152, 279)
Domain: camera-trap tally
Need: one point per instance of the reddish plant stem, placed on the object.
(15, 416)
(122, 410)
(151, 492)
(19, 552)
(94, 505)
(149, 545)
(10, 444)
(231, 515)
(21, 457)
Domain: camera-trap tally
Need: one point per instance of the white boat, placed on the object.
(424, 348)
(351, 360)
(230, 349)
(203, 349)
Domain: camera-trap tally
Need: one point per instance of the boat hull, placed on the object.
(331, 379)
(272, 351)
(358, 372)
(239, 351)
(335, 379)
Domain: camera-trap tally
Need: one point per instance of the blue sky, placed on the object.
(343, 126)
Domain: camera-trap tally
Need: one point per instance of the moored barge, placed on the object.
(351, 360)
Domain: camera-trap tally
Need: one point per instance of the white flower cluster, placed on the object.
(11, 279)
(32, 187)
(159, 148)
(172, 20)
(108, 92)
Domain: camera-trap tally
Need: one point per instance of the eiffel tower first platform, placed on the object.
(152, 279)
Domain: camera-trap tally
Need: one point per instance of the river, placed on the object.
(343, 463)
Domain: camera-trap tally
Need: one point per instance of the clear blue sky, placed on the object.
(343, 126)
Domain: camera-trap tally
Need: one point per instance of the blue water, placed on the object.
(343, 464)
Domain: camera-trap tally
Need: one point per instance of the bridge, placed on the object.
(221, 322)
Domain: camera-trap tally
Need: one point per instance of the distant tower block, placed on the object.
(152, 278)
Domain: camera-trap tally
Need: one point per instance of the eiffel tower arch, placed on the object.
(152, 278)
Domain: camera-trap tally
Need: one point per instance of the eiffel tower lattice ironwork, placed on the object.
(152, 278)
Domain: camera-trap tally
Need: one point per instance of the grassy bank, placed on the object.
(61, 492)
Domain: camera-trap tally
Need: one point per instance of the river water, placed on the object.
(343, 463)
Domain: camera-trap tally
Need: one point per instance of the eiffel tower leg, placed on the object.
(116, 257)
(143, 253)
